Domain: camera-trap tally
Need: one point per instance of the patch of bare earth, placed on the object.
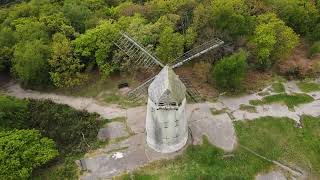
(298, 65)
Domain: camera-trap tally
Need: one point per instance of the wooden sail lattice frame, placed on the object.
(142, 57)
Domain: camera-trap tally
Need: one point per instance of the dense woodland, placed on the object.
(59, 43)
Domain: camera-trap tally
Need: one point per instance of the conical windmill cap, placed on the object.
(167, 87)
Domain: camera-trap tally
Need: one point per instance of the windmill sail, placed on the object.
(198, 51)
(137, 93)
(192, 93)
(136, 52)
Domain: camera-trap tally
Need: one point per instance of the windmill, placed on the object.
(166, 121)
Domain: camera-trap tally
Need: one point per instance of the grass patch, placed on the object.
(274, 138)
(248, 108)
(279, 139)
(203, 162)
(290, 100)
(217, 112)
(308, 86)
(278, 87)
(103, 90)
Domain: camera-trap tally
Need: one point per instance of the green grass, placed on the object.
(275, 138)
(308, 86)
(248, 108)
(203, 162)
(278, 87)
(217, 112)
(279, 139)
(291, 100)
(103, 90)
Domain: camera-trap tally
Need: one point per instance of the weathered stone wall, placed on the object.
(167, 129)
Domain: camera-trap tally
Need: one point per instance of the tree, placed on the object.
(170, 45)
(301, 15)
(97, 43)
(58, 23)
(272, 40)
(21, 151)
(231, 17)
(30, 29)
(78, 14)
(229, 72)
(65, 69)
(30, 63)
(7, 41)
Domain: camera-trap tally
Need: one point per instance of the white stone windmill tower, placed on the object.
(166, 121)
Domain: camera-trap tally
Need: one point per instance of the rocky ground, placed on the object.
(128, 150)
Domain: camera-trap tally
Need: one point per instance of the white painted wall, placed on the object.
(167, 129)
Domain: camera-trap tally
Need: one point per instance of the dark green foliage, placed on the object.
(231, 17)
(21, 151)
(7, 41)
(13, 112)
(301, 15)
(95, 45)
(229, 72)
(78, 14)
(72, 130)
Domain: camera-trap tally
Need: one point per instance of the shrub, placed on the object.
(314, 49)
(13, 112)
(272, 40)
(72, 130)
(229, 73)
(21, 151)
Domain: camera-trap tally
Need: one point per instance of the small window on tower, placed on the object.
(173, 104)
(161, 104)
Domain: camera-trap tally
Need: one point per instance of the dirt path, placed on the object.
(89, 104)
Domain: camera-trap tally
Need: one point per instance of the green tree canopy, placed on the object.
(301, 15)
(231, 17)
(97, 43)
(170, 45)
(272, 40)
(78, 13)
(21, 151)
(29, 29)
(229, 72)
(30, 63)
(7, 41)
(65, 69)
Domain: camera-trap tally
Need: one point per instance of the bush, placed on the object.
(72, 130)
(272, 40)
(13, 112)
(229, 73)
(21, 151)
(314, 49)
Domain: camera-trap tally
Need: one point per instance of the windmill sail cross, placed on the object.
(136, 51)
(198, 51)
